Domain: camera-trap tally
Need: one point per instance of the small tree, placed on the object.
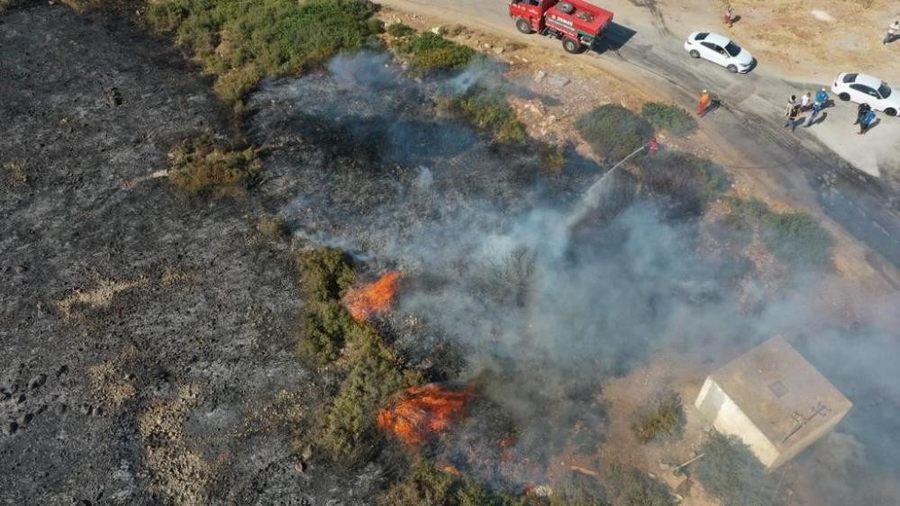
(662, 418)
(731, 473)
(613, 131)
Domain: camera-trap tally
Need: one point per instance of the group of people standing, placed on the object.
(806, 103)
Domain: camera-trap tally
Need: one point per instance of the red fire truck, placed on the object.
(578, 23)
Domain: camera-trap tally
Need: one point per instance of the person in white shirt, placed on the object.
(891, 33)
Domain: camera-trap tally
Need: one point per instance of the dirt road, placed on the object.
(826, 166)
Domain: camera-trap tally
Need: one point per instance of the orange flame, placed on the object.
(373, 298)
(424, 410)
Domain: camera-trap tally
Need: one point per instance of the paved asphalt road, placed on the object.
(806, 167)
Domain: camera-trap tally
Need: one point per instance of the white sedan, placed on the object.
(865, 89)
(719, 49)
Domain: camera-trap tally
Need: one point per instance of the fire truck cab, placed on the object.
(576, 22)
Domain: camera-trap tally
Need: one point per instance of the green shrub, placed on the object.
(553, 156)
(324, 323)
(793, 237)
(489, 112)
(670, 118)
(426, 484)
(731, 473)
(240, 41)
(375, 373)
(688, 180)
(429, 52)
(632, 487)
(325, 273)
(199, 166)
(613, 131)
(661, 418)
(797, 238)
(400, 30)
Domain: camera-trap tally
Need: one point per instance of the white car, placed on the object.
(865, 89)
(719, 49)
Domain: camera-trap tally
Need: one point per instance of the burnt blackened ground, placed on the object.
(143, 335)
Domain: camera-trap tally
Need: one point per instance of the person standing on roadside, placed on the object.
(866, 121)
(822, 98)
(728, 17)
(891, 32)
(861, 112)
(791, 111)
(814, 114)
(805, 101)
(703, 105)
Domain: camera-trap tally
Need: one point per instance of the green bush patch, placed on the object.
(613, 131)
(795, 238)
(629, 486)
(426, 484)
(691, 182)
(662, 418)
(400, 30)
(240, 41)
(489, 111)
(670, 118)
(429, 52)
(731, 473)
(199, 166)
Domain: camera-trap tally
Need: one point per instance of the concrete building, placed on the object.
(775, 401)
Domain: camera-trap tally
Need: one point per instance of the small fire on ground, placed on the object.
(364, 301)
(422, 411)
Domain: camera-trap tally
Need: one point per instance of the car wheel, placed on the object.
(732, 69)
(890, 111)
(694, 53)
(844, 96)
(572, 46)
(524, 26)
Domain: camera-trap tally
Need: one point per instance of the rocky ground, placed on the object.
(146, 338)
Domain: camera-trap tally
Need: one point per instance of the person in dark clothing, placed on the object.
(866, 122)
(861, 112)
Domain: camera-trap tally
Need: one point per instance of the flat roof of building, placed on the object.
(780, 391)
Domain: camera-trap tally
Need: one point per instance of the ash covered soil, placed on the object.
(146, 339)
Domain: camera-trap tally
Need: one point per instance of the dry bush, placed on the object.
(99, 297)
(613, 131)
(199, 166)
(661, 418)
(178, 472)
(730, 472)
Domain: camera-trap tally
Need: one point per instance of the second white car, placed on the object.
(865, 89)
(719, 49)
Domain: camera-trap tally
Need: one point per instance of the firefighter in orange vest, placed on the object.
(703, 106)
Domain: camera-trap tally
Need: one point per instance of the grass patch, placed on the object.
(239, 42)
(429, 52)
(795, 238)
(688, 181)
(613, 131)
(488, 111)
(552, 156)
(661, 419)
(670, 118)
(576, 489)
(400, 30)
(731, 473)
(199, 166)
(426, 484)
(632, 487)
(324, 323)
(372, 370)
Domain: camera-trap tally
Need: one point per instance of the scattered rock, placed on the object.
(663, 466)
(437, 30)
(498, 50)
(539, 76)
(487, 46)
(558, 81)
(37, 381)
(10, 428)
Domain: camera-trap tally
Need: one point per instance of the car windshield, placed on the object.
(884, 90)
(733, 49)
